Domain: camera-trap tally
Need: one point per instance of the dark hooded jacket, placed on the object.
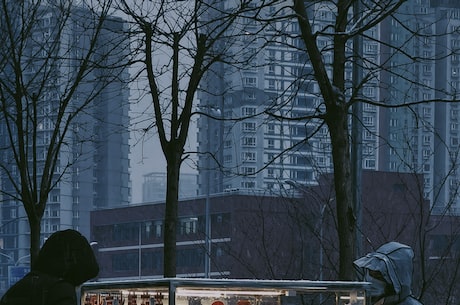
(395, 262)
(65, 261)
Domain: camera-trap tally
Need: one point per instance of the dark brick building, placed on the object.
(253, 236)
(293, 236)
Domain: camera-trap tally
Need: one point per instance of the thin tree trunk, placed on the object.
(171, 212)
(336, 118)
(338, 130)
(35, 233)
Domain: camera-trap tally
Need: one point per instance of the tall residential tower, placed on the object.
(410, 58)
(93, 167)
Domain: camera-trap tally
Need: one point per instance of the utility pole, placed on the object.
(356, 133)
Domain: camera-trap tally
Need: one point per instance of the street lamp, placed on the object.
(306, 191)
(7, 256)
(11, 258)
(210, 112)
(15, 272)
(21, 258)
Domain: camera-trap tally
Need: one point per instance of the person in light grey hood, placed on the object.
(389, 270)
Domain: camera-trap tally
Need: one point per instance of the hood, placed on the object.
(67, 255)
(394, 261)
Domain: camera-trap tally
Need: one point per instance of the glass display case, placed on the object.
(188, 291)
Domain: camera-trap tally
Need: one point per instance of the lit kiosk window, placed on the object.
(188, 291)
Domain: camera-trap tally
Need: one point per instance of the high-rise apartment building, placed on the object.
(93, 164)
(154, 186)
(262, 152)
(276, 77)
(422, 138)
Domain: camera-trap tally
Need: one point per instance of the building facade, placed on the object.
(257, 235)
(154, 186)
(260, 236)
(408, 59)
(93, 167)
(422, 138)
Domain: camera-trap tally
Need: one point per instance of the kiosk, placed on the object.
(194, 291)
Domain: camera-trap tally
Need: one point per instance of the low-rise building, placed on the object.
(289, 236)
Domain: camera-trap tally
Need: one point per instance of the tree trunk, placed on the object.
(35, 233)
(338, 129)
(170, 225)
(336, 118)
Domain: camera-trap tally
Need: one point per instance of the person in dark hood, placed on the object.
(65, 261)
(389, 270)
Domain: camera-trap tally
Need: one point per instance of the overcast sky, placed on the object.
(146, 154)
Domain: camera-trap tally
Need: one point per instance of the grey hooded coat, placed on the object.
(395, 263)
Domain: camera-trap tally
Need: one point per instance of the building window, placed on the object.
(370, 108)
(188, 226)
(158, 228)
(426, 139)
(426, 96)
(393, 165)
(321, 160)
(369, 91)
(368, 135)
(249, 141)
(228, 158)
(368, 151)
(426, 153)
(125, 261)
(370, 48)
(369, 163)
(427, 68)
(249, 170)
(151, 260)
(248, 156)
(248, 111)
(249, 126)
(248, 184)
(427, 112)
(250, 96)
(270, 158)
(125, 231)
(228, 144)
(250, 81)
(393, 136)
(368, 121)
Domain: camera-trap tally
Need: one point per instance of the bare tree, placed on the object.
(329, 37)
(331, 44)
(333, 89)
(179, 42)
(54, 63)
